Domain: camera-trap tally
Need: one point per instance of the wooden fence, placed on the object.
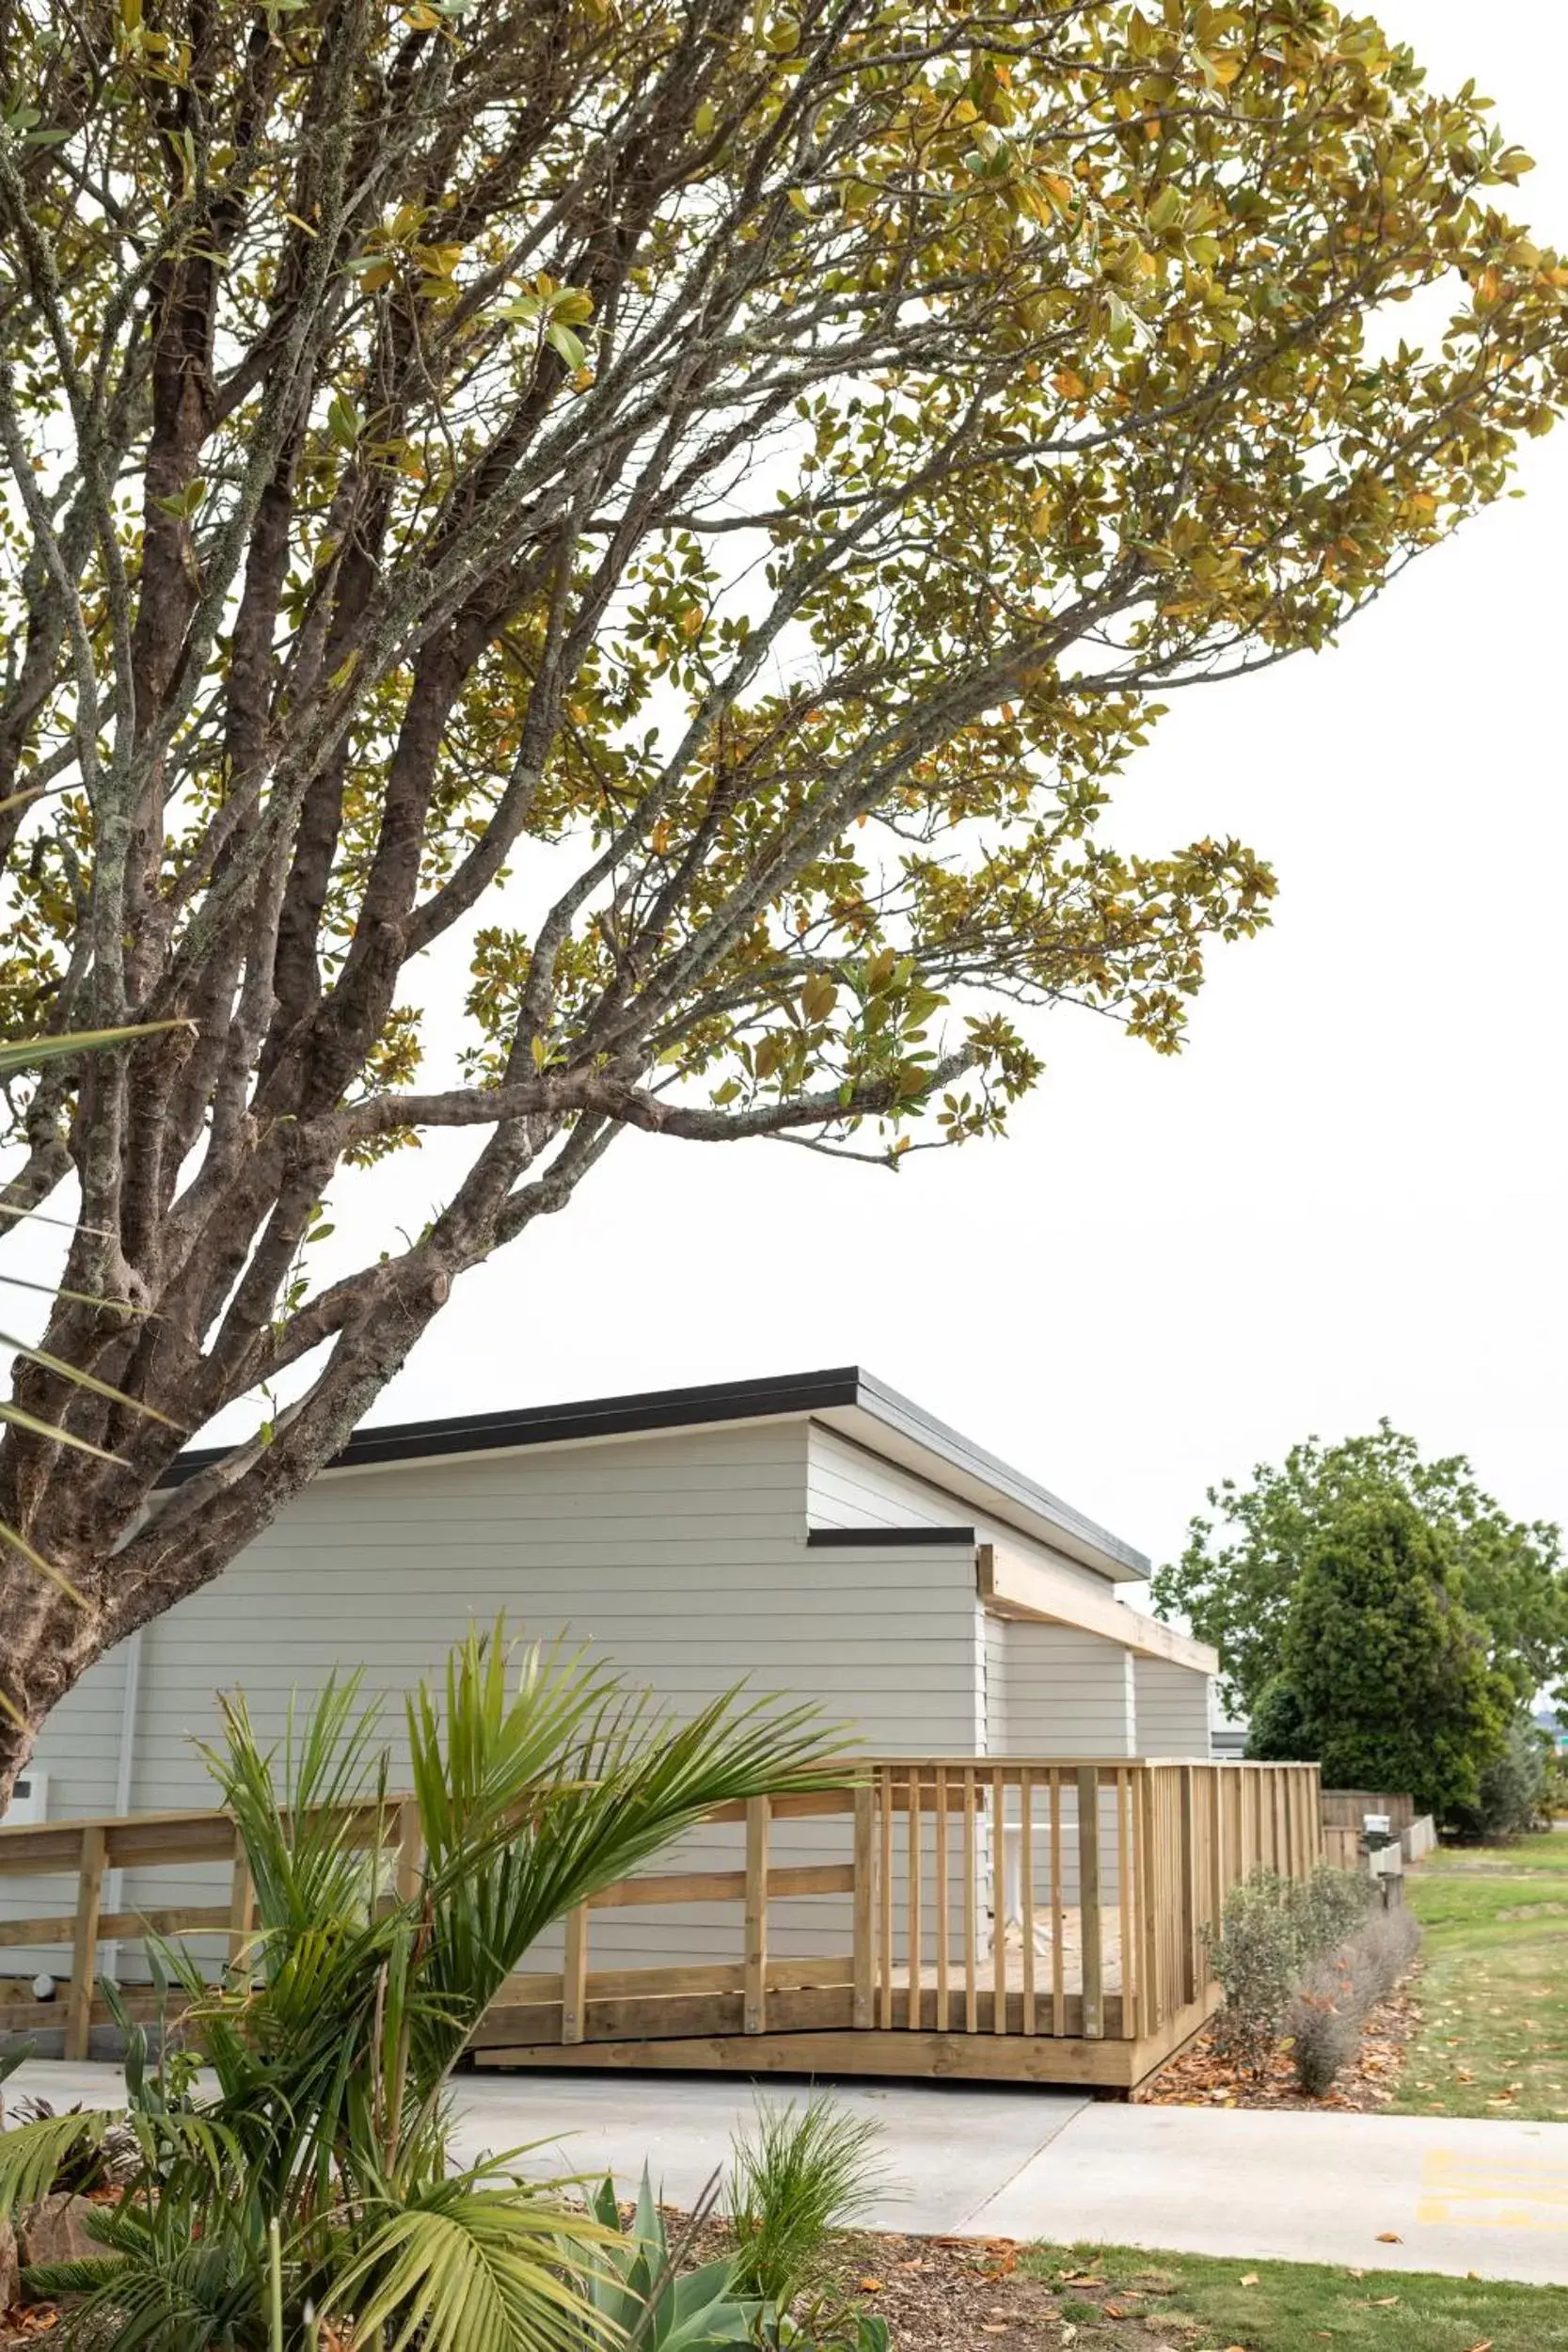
(1347, 1808)
(1037, 1918)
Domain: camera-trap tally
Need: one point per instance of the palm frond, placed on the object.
(32, 2154)
(30, 1052)
(81, 1379)
(472, 2269)
(302, 1860)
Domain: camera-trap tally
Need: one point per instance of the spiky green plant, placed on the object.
(639, 2295)
(334, 2038)
(797, 2173)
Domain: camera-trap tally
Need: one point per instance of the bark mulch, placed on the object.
(1199, 2077)
(969, 2295)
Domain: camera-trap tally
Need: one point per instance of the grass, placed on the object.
(1493, 1991)
(1191, 2303)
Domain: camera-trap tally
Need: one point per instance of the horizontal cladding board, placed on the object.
(741, 1492)
(786, 1576)
(679, 1669)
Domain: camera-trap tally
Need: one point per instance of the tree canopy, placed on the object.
(683, 507)
(1384, 1677)
(1236, 1581)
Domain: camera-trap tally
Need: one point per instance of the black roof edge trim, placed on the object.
(589, 1417)
(884, 1538)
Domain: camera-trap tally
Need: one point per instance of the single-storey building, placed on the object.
(815, 1535)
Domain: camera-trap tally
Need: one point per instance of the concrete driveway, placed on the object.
(1370, 2191)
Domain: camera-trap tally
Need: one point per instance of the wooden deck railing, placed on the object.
(1041, 1900)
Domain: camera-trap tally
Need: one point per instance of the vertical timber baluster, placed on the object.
(942, 1897)
(886, 1897)
(1058, 1913)
(998, 1903)
(1088, 1901)
(1187, 1863)
(1026, 1887)
(1143, 1835)
(915, 1936)
(1124, 1890)
(971, 1987)
(759, 1815)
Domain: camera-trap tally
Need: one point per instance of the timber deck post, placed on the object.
(242, 1904)
(84, 1941)
(863, 1927)
(574, 1976)
(759, 1814)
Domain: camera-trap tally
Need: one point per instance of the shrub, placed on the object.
(1256, 1959)
(1323, 2025)
(1510, 1797)
(1325, 2019)
(797, 2174)
(1275, 1935)
(1385, 1948)
(1330, 1906)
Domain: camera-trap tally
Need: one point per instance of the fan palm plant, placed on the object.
(334, 2037)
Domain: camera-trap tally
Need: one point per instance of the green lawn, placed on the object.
(1192, 2304)
(1493, 1991)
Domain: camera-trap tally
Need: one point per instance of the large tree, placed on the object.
(742, 474)
(1236, 1581)
(1383, 1675)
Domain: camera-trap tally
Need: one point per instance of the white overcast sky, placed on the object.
(1344, 1199)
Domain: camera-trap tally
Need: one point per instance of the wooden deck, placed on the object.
(1036, 1920)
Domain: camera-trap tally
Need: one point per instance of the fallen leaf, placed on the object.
(1389, 2237)
(869, 2286)
(1485, 2345)
(988, 2329)
(1382, 2303)
(1251, 2278)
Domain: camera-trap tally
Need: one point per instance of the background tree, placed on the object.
(1235, 1583)
(1384, 1677)
(741, 474)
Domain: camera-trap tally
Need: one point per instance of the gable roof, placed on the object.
(847, 1399)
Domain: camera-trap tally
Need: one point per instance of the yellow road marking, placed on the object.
(1468, 2192)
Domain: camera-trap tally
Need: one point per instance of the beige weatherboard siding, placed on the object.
(814, 1536)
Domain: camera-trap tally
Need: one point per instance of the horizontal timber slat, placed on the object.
(721, 1977)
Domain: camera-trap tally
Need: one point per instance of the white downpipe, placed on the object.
(125, 1773)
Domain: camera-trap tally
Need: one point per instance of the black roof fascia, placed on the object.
(555, 1424)
(884, 1539)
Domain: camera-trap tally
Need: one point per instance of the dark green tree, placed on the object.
(1384, 1677)
(1235, 1583)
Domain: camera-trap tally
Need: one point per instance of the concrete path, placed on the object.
(1490, 2197)
(1459, 2196)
